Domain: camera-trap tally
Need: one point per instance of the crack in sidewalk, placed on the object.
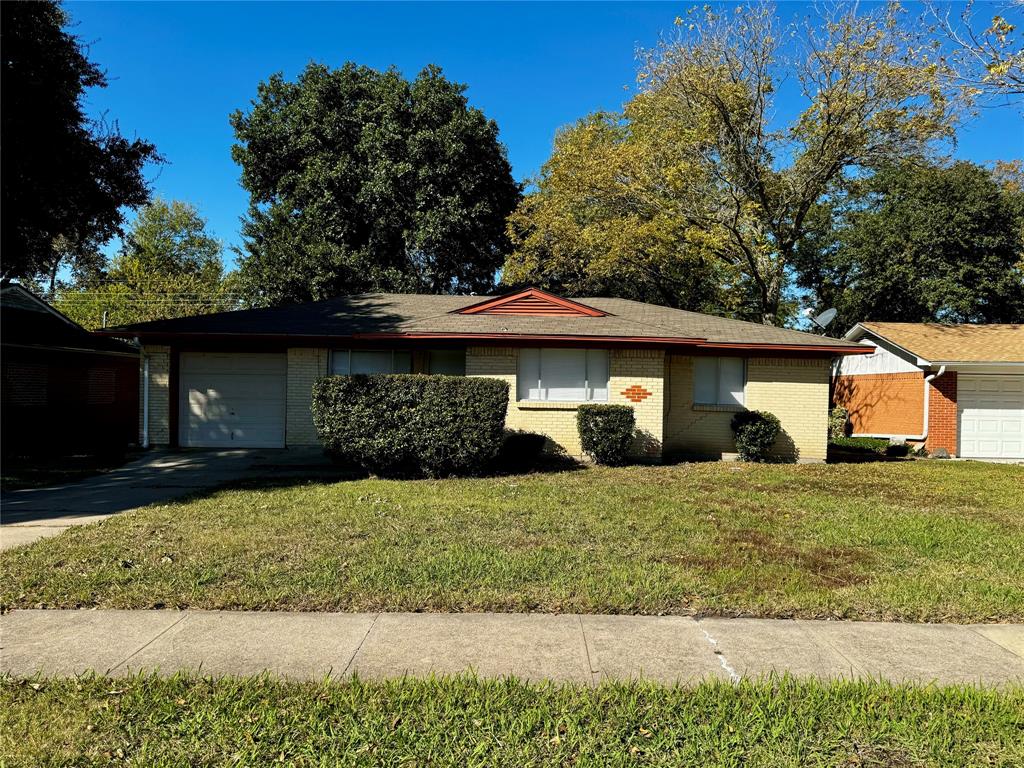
(595, 674)
(734, 677)
(144, 646)
(359, 647)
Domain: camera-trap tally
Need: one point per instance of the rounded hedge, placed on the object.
(756, 432)
(606, 432)
(411, 424)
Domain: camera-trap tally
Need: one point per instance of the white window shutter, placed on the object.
(528, 379)
(369, 362)
(563, 373)
(597, 374)
(730, 383)
(339, 362)
(705, 380)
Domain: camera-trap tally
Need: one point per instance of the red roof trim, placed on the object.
(531, 296)
(648, 341)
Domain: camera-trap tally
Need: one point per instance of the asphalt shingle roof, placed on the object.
(936, 342)
(392, 313)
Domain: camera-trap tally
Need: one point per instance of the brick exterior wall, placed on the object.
(159, 394)
(882, 403)
(305, 365)
(942, 414)
(795, 390)
(629, 369)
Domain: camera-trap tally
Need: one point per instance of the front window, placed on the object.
(449, 362)
(567, 375)
(718, 380)
(353, 361)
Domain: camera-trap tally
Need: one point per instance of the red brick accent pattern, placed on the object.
(635, 393)
(942, 414)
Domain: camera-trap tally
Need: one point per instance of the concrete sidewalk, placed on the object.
(583, 649)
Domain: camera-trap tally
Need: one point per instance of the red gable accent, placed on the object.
(532, 301)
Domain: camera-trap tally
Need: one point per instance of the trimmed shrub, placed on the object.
(520, 451)
(838, 421)
(606, 432)
(756, 432)
(410, 424)
(861, 444)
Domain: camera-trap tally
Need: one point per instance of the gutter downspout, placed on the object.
(145, 398)
(927, 391)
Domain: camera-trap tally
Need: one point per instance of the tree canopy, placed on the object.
(360, 180)
(168, 266)
(921, 242)
(66, 178)
(701, 164)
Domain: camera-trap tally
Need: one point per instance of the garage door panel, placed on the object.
(991, 416)
(233, 400)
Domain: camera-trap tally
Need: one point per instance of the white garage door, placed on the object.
(991, 410)
(232, 400)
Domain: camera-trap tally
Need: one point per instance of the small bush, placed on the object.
(606, 432)
(838, 421)
(861, 444)
(756, 432)
(520, 451)
(411, 424)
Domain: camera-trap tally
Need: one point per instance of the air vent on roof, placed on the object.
(532, 302)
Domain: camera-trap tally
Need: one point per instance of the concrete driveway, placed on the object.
(158, 476)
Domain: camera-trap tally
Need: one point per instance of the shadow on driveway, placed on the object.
(156, 477)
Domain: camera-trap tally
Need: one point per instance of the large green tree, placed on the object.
(603, 218)
(712, 160)
(66, 178)
(361, 180)
(921, 242)
(169, 265)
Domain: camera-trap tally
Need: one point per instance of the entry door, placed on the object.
(232, 400)
(991, 411)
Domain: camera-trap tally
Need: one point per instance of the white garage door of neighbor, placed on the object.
(991, 410)
(232, 400)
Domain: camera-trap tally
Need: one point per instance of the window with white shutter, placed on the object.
(563, 375)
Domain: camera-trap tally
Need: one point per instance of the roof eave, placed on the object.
(646, 341)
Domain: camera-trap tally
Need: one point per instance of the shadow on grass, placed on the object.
(327, 472)
(859, 456)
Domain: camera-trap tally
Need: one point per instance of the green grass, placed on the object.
(916, 541)
(147, 721)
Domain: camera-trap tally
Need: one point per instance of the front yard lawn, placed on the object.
(148, 721)
(915, 541)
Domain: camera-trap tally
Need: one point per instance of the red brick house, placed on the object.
(958, 388)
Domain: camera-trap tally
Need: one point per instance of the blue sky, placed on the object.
(177, 70)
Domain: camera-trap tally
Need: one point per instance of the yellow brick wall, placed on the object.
(628, 368)
(159, 398)
(305, 365)
(795, 390)
(701, 431)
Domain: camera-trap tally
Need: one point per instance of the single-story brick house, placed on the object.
(244, 378)
(958, 388)
(65, 390)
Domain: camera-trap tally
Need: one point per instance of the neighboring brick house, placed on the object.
(244, 379)
(954, 388)
(65, 390)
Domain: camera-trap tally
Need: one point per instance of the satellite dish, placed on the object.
(824, 318)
